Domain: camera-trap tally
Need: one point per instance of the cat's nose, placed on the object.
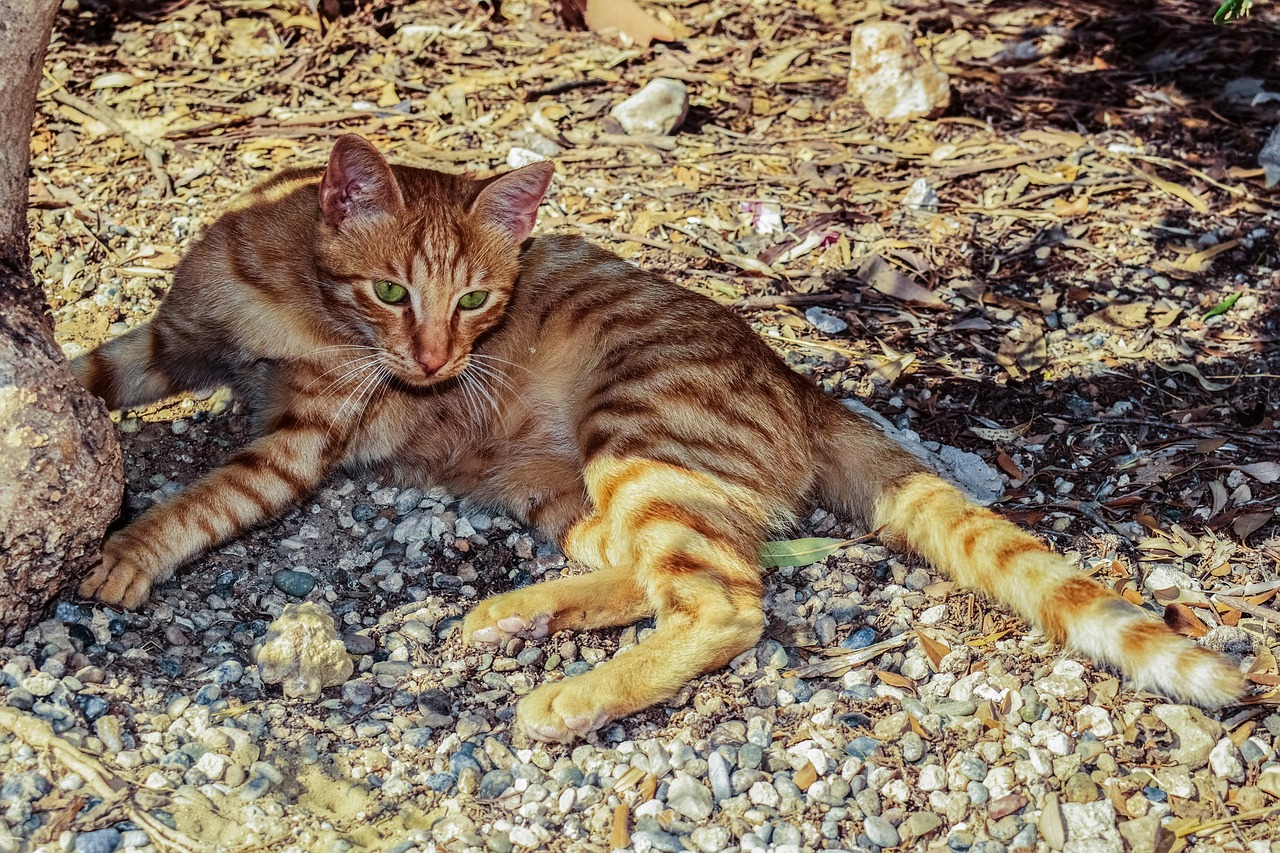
(431, 361)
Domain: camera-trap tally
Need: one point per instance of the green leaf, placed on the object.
(799, 552)
(1232, 10)
(1222, 307)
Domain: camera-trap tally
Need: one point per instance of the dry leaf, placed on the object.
(1053, 829)
(1263, 472)
(1249, 523)
(1182, 620)
(627, 20)
(887, 279)
(935, 650)
(893, 679)
(1192, 371)
(1269, 780)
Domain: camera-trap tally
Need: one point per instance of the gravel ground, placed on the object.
(417, 751)
(884, 710)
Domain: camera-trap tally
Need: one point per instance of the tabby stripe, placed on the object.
(250, 493)
(1067, 603)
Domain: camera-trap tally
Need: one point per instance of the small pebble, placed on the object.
(290, 582)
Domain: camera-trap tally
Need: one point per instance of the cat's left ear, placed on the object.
(358, 182)
(509, 203)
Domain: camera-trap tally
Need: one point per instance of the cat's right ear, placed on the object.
(357, 183)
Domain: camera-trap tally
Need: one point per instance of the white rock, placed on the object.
(821, 763)
(920, 196)
(1196, 734)
(894, 81)
(932, 778)
(1224, 760)
(933, 615)
(764, 794)
(1069, 668)
(1057, 743)
(1166, 578)
(1091, 718)
(303, 652)
(1091, 828)
(518, 157)
(710, 839)
(213, 765)
(1000, 781)
(897, 790)
(656, 110)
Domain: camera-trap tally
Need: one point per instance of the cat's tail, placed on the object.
(871, 477)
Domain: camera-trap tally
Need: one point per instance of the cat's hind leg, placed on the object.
(689, 542)
(148, 363)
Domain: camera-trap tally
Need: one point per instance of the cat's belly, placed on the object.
(537, 484)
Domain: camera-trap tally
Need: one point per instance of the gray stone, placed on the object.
(689, 797)
(495, 783)
(718, 775)
(24, 787)
(880, 831)
(918, 824)
(294, 583)
(98, 841)
(824, 321)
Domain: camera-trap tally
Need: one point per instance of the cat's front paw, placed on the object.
(117, 580)
(498, 619)
(562, 712)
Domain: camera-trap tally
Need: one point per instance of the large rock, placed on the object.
(656, 110)
(303, 653)
(891, 77)
(1196, 734)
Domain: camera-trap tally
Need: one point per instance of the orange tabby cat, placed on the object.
(400, 320)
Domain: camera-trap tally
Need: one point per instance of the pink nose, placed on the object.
(431, 361)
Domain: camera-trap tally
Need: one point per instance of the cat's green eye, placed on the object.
(390, 292)
(473, 300)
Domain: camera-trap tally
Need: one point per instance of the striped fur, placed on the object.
(643, 427)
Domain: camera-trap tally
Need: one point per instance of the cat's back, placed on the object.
(646, 367)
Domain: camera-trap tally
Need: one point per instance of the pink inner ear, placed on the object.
(510, 203)
(357, 182)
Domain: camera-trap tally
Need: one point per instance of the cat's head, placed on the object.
(421, 263)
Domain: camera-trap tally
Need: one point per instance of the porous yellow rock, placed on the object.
(303, 653)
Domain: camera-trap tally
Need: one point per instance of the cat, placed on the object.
(403, 321)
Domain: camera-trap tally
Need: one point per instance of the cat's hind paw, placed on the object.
(561, 713)
(493, 621)
(117, 580)
(531, 628)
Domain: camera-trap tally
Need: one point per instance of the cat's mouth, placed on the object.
(416, 375)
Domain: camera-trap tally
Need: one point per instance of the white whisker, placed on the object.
(484, 356)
